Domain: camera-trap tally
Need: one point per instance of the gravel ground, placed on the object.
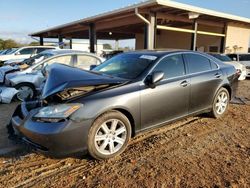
(195, 152)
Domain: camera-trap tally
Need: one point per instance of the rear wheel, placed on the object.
(109, 135)
(25, 90)
(220, 104)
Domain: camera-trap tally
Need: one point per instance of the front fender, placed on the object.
(34, 79)
(7, 94)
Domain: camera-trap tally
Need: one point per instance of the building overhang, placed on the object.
(124, 23)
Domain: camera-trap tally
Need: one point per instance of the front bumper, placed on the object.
(7, 94)
(53, 139)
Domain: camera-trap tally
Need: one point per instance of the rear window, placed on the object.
(197, 63)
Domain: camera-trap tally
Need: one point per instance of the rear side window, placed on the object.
(172, 66)
(66, 60)
(213, 65)
(197, 63)
(39, 50)
(85, 61)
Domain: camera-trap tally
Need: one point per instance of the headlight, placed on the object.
(57, 112)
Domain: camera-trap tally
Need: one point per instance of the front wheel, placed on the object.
(220, 104)
(109, 135)
(25, 90)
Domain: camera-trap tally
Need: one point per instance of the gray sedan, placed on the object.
(99, 111)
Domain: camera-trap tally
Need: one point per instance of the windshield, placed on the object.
(128, 66)
(244, 57)
(221, 57)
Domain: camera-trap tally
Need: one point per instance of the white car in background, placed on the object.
(26, 80)
(241, 69)
(244, 59)
(24, 52)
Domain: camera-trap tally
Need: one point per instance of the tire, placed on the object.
(29, 87)
(220, 103)
(102, 137)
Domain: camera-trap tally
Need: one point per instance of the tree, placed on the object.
(10, 44)
(34, 44)
(107, 46)
(1, 44)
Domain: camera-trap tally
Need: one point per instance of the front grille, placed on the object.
(247, 67)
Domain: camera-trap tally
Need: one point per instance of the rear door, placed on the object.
(205, 77)
(170, 98)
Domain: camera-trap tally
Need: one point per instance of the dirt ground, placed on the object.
(195, 152)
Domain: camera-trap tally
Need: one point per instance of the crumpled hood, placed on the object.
(62, 77)
(5, 70)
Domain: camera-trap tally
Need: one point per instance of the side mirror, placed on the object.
(17, 53)
(234, 59)
(154, 78)
(92, 67)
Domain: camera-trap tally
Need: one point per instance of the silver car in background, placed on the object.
(241, 69)
(25, 81)
(244, 59)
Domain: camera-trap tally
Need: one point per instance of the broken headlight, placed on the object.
(58, 112)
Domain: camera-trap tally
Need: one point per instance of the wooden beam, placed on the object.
(131, 20)
(92, 37)
(175, 29)
(194, 36)
(41, 41)
(189, 31)
(185, 19)
(223, 40)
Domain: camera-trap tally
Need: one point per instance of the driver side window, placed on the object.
(172, 66)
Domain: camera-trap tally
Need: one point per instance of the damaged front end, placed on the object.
(65, 83)
(6, 93)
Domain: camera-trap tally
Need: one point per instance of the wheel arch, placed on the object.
(228, 88)
(130, 118)
(124, 112)
(26, 83)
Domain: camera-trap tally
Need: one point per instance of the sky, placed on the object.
(18, 18)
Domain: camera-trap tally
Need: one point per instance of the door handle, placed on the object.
(217, 75)
(184, 83)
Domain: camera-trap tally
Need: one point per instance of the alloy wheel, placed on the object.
(221, 103)
(24, 92)
(110, 137)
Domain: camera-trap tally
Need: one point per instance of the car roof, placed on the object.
(161, 53)
(64, 51)
(52, 47)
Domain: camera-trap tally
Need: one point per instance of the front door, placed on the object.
(169, 99)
